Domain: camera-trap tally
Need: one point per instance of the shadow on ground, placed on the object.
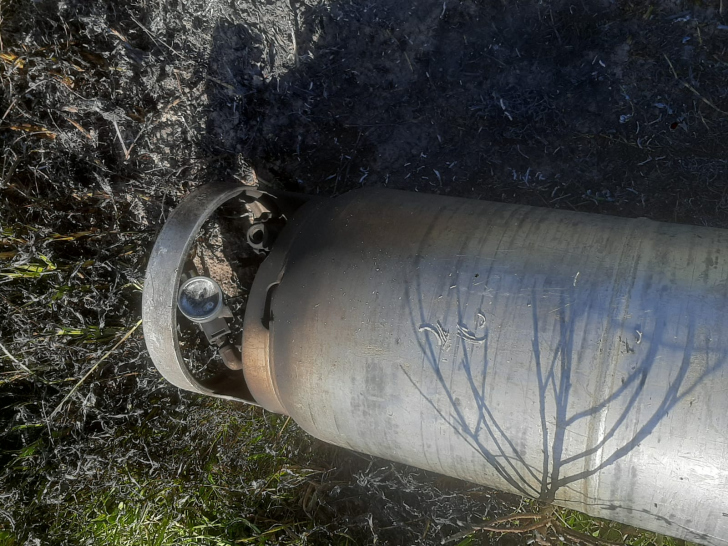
(597, 106)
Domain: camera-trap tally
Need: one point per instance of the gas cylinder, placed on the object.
(574, 358)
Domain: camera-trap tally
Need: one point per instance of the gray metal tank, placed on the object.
(578, 359)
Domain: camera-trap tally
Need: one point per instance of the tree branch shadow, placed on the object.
(486, 431)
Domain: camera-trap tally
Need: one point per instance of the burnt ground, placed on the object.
(113, 111)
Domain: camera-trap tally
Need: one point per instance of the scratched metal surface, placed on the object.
(575, 358)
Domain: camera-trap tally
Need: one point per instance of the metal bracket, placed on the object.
(159, 299)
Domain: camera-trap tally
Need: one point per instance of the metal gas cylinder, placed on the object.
(575, 358)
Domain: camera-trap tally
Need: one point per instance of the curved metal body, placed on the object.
(575, 358)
